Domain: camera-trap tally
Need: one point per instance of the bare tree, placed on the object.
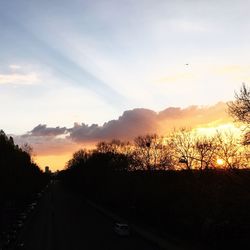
(206, 148)
(184, 143)
(166, 152)
(229, 149)
(240, 108)
(113, 146)
(246, 138)
(103, 147)
(143, 145)
(153, 152)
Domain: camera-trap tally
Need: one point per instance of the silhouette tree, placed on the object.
(20, 178)
(163, 153)
(240, 109)
(103, 147)
(114, 146)
(229, 149)
(143, 150)
(79, 158)
(27, 148)
(116, 152)
(183, 142)
(206, 151)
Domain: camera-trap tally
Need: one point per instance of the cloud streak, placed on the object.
(14, 67)
(19, 79)
(62, 64)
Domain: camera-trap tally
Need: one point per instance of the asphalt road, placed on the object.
(63, 221)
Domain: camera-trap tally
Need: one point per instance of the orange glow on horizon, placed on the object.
(55, 162)
(210, 131)
(58, 160)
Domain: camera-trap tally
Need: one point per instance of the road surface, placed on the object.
(63, 221)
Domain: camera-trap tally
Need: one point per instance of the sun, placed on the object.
(220, 162)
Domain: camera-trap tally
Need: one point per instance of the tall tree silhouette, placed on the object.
(20, 177)
(240, 109)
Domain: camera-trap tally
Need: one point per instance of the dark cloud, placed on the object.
(47, 145)
(142, 121)
(129, 125)
(43, 130)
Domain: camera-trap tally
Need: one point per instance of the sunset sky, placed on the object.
(75, 72)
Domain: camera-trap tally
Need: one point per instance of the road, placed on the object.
(63, 221)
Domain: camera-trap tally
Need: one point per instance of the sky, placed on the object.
(75, 72)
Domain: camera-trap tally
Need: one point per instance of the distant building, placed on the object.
(47, 170)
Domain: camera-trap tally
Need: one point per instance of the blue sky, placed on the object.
(88, 61)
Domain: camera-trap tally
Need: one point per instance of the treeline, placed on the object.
(175, 184)
(20, 177)
(181, 149)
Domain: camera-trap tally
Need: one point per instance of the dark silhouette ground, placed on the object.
(64, 221)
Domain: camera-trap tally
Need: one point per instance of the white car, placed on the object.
(122, 229)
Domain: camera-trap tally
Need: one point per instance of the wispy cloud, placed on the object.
(178, 77)
(188, 26)
(19, 79)
(63, 66)
(15, 66)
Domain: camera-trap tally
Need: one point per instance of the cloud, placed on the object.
(187, 25)
(177, 77)
(17, 79)
(142, 121)
(132, 123)
(47, 145)
(43, 130)
(194, 116)
(129, 125)
(14, 66)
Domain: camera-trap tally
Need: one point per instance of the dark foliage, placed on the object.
(20, 178)
(209, 206)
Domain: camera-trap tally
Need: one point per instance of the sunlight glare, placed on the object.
(220, 162)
